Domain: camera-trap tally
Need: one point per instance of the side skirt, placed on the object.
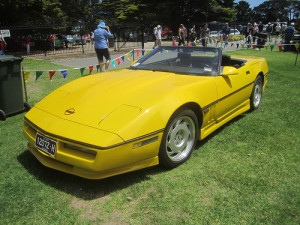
(205, 131)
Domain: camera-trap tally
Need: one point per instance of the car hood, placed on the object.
(104, 99)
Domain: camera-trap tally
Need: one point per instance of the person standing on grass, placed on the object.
(269, 31)
(101, 34)
(204, 35)
(193, 35)
(157, 35)
(2, 44)
(260, 27)
(27, 44)
(226, 32)
(255, 31)
(51, 41)
(288, 34)
(181, 35)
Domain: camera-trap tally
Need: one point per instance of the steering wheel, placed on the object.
(203, 65)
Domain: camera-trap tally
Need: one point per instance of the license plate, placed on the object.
(45, 144)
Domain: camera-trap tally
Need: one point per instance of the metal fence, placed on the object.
(27, 41)
(81, 40)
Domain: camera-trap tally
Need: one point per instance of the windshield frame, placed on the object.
(135, 65)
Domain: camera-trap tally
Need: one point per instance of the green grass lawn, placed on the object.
(247, 172)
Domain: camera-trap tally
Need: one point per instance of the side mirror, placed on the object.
(229, 70)
(133, 62)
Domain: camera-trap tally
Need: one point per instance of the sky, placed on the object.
(253, 3)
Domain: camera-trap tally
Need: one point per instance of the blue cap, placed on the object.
(102, 24)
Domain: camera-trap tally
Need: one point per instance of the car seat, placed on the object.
(226, 60)
(184, 59)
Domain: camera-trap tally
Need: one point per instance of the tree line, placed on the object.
(82, 13)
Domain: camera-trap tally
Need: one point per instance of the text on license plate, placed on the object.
(45, 144)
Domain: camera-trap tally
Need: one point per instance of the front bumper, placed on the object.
(89, 160)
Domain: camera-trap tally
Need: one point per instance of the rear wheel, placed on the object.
(256, 95)
(179, 139)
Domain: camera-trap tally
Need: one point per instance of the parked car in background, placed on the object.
(78, 40)
(87, 38)
(234, 32)
(69, 38)
(215, 33)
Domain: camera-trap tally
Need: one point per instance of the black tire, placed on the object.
(2, 115)
(256, 94)
(179, 139)
(27, 107)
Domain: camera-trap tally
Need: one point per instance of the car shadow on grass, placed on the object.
(92, 189)
(80, 187)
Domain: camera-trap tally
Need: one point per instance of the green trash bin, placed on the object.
(11, 86)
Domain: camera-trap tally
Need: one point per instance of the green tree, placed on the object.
(244, 12)
(271, 11)
(31, 12)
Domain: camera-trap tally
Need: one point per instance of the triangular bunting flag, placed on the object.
(127, 55)
(137, 52)
(26, 75)
(231, 45)
(272, 46)
(254, 47)
(243, 45)
(122, 57)
(143, 52)
(64, 73)
(91, 69)
(266, 47)
(113, 63)
(98, 67)
(280, 47)
(189, 44)
(118, 60)
(38, 74)
(82, 70)
(51, 74)
(297, 46)
(148, 51)
(237, 45)
(132, 52)
(248, 46)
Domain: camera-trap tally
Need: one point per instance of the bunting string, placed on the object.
(117, 61)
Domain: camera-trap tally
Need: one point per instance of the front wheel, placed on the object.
(179, 139)
(256, 95)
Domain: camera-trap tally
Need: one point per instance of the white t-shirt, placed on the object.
(158, 33)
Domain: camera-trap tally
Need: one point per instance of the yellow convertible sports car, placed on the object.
(151, 113)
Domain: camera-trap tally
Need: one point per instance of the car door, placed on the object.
(233, 91)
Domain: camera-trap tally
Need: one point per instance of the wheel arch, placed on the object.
(195, 108)
(261, 74)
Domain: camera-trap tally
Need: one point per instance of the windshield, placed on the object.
(182, 60)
